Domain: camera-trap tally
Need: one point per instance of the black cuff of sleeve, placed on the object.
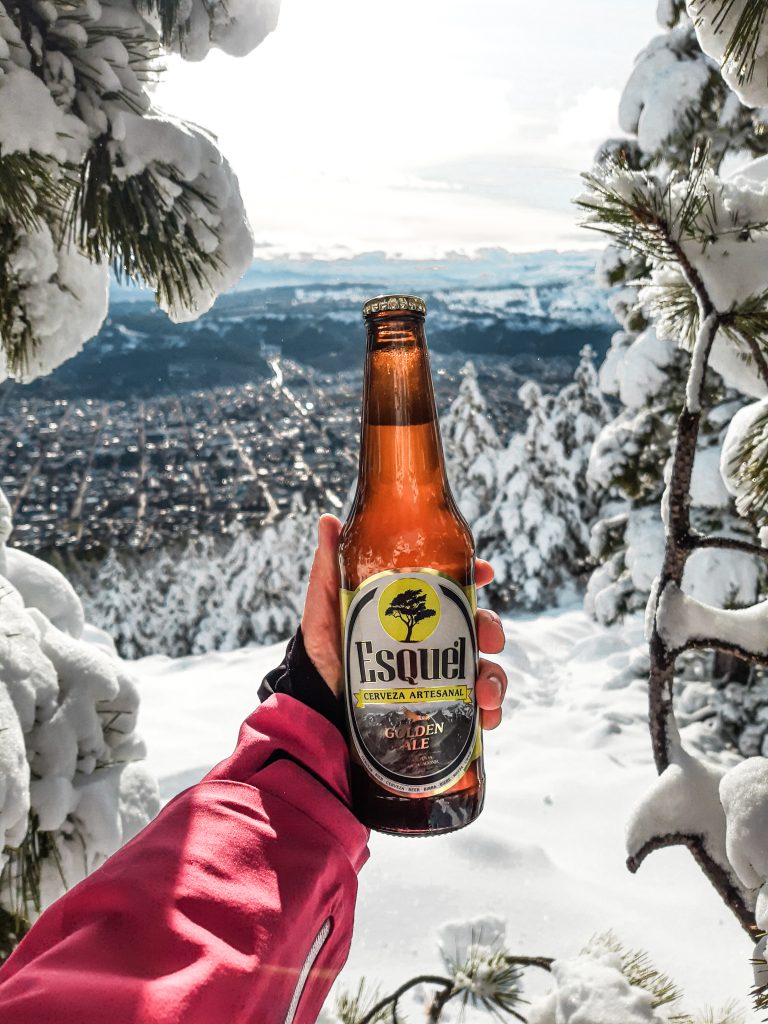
(297, 676)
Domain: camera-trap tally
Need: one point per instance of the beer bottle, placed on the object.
(408, 599)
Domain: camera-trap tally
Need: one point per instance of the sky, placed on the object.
(417, 127)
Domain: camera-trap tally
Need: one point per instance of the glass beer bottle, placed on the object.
(408, 599)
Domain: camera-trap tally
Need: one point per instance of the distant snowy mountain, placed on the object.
(489, 269)
(540, 305)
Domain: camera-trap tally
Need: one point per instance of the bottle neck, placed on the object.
(401, 455)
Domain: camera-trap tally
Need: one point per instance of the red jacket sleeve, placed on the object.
(235, 904)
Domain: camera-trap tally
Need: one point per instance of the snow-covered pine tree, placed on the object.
(264, 578)
(212, 594)
(93, 176)
(73, 786)
(114, 601)
(471, 445)
(675, 95)
(704, 239)
(536, 531)
(193, 585)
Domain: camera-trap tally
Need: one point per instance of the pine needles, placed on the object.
(741, 49)
(20, 880)
(130, 223)
(749, 467)
(637, 968)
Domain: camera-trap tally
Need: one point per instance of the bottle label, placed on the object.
(410, 663)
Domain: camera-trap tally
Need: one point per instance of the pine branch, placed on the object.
(748, 322)
(759, 357)
(391, 1001)
(741, 50)
(723, 884)
(655, 220)
(17, 336)
(173, 16)
(130, 223)
(33, 189)
(729, 544)
(749, 466)
(543, 962)
(21, 876)
(486, 980)
(33, 192)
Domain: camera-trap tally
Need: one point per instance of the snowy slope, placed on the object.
(547, 854)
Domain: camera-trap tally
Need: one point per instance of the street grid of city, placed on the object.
(87, 475)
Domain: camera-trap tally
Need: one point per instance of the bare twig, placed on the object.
(423, 979)
(729, 543)
(544, 962)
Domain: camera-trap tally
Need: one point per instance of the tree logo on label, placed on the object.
(409, 610)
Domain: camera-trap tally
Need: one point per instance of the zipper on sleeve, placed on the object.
(301, 981)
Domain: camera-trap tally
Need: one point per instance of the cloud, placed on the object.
(442, 124)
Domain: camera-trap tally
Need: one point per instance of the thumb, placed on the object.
(324, 574)
(320, 621)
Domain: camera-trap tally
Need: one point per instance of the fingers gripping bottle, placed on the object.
(408, 599)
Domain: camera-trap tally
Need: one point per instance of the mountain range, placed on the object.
(524, 307)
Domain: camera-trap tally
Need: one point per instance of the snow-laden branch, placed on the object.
(704, 339)
(683, 808)
(683, 623)
(729, 544)
(759, 358)
(678, 529)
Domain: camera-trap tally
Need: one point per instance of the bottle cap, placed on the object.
(391, 303)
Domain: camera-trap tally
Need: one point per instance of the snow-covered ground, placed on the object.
(569, 762)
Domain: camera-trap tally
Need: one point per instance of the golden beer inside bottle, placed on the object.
(411, 661)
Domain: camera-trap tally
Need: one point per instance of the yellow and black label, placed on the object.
(410, 663)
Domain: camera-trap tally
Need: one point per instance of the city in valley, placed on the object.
(157, 432)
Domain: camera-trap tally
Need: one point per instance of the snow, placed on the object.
(219, 223)
(471, 443)
(70, 753)
(43, 587)
(457, 939)
(63, 296)
(643, 370)
(592, 990)
(234, 26)
(683, 799)
(682, 620)
(722, 578)
(608, 375)
(708, 489)
(536, 529)
(714, 23)
(744, 795)
(744, 423)
(93, 78)
(699, 356)
(30, 120)
(665, 87)
(213, 593)
(547, 854)
(645, 546)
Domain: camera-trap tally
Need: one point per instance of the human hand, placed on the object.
(321, 632)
